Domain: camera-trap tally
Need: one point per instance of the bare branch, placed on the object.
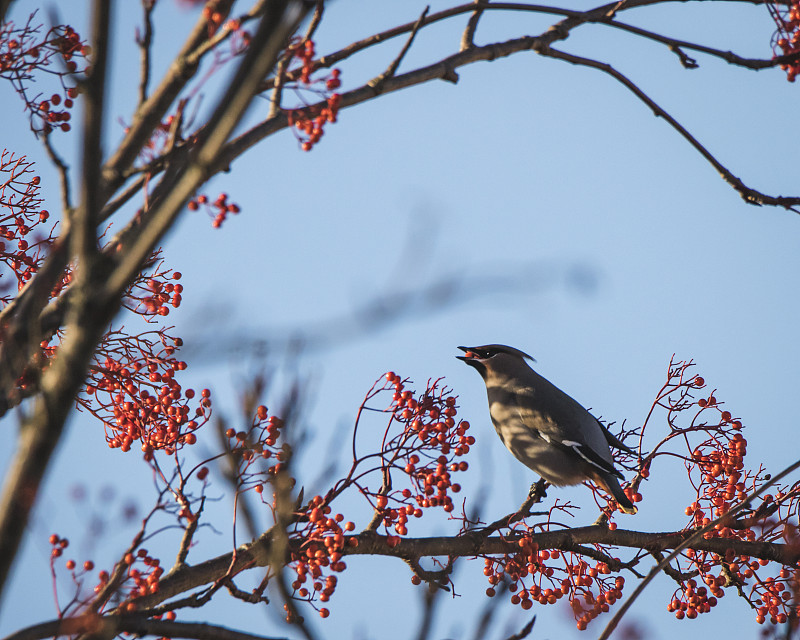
(85, 219)
(109, 626)
(144, 41)
(525, 631)
(468, 37)
(445, 70)
(377, 82)
(749, 195)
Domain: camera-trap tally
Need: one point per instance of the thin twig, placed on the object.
(188, 536)
(524, 632)
(150, 114)
(63, 173)
(277, 91)
(316, 20)
(377, 82)
(145, 41)
(468, 37)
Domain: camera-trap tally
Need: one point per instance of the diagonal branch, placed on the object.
(377, 82)
(110, 626)
(149, 115)
(41, 431)
(145, 41)
(748, 194)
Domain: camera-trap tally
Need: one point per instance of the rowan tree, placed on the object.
(88, 296)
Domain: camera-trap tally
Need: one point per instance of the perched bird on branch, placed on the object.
(542, 426)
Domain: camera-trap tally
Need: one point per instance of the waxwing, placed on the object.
(542, 426)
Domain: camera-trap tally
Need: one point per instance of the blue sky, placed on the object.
(609, 244)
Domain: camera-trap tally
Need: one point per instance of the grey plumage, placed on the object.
(542, 426)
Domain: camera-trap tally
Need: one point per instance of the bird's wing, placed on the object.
(567, 425)
(590, 456)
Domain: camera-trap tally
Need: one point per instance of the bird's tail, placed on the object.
(612, 486)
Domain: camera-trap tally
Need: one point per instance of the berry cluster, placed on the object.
(424, 448)
(722, 480)
(139, 581)
(218, 209)
(52, 116)
(787, 35)
(259, 442)
(23, 243)
(322, 537)
(716, 469)
(535, 575)
(152, 295)
(23, 51)
(59, 544)
(771, 596)
(145, 579)
(309, 121)
(213, 17)
(420, 444)
(690, 600)
(132, 389)
(312, 128)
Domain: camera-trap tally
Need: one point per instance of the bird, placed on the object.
(542, 426)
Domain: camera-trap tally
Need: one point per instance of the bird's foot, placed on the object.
(538, 491)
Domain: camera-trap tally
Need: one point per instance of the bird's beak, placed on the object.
(469, 356)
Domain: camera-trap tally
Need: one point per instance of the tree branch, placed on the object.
(468, 37)
(748, 194)
(110, 626)
(257, 553)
